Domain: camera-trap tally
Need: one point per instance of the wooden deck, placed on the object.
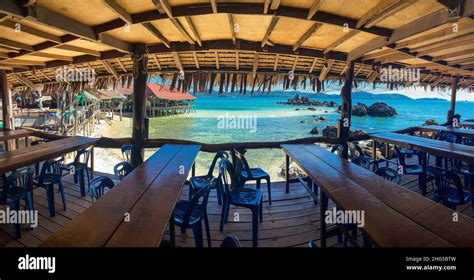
(291, 221)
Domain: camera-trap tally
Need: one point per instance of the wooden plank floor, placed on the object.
(292, 220)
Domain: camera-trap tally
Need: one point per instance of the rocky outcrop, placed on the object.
(315, 130)
(430, 122)
(359, 110)
(305, 101)
(295, 172)
(330, 131)
(380, 109)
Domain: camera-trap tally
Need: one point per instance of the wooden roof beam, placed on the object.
(341, 40)
(214, 6)
(121, 65)
(181, 30)
(157, 62)
(266, 6)
(110, 69)
(167, 8)
(177, 61)
(216, 54)
(314, 8)
(32, 31)
(270, 29)
(237, 61)
(196, 60)
(194, 30)
(326, 69)
(78, 49)
(232, 30)
(275, 66)
(306, 36)
(158, 6)
(454, 55)
(153, 30)
(313, 65)
(466, 42)
(119, 11)
(53, 56)
(27, 82)
(275, 5)
(381, 11)
(24, 62)
(255, 66)
(15, 45)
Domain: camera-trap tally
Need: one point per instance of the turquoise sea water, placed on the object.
(280, 122)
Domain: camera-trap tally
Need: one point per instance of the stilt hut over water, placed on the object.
(161, 100)
(246, 46)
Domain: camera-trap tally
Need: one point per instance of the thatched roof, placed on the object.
(241, 43)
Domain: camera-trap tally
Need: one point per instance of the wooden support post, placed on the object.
(6, 106)
(139, 98)
(452, 108)
(346, 110)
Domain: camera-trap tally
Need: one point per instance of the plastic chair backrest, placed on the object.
(337, 149)
(389, 174)
(227, 177)
(83, 155)
(22, 179)
(241, 165)
(53, 168)
(203, 194)
(98, 185)
(122, 169)
(131, 149)
(362, 161)
(219, 156)
(445, 179)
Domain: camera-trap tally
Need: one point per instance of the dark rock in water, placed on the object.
(297, 109)
(305, 101)
(315, 130)
(359, 110)
(304, 121)
(330, 131)
(320, 119)
(311, 109)
(430, 122)
(325, 112)
(380, 109)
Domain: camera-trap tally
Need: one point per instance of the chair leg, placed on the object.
(82, 186)
(29, 202)
(227, 210)
(15, 205)
(190, 195)
(50, 196)
(37, 166)
(63, 197)
(221, 226)
(172, 234)
(197, 230)
(219, 194)
(258, 184)
(208, 231)
(421, 184)
(88, 176)
(255, 226)
(261, 210)
(75, 177)
(269, 188)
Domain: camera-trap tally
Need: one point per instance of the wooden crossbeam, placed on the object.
(119, 11)
(361, 66)
(32, 31)
(25, 62)
(344, 69)
(53, 56)
(266, 6)
(314, 8)
(196, 60)
(237, 61)
(306, 36)
(458, 40)
(295, 63)
(275, 5)
(177, 61)
(167, 8)
(447, 47)
(392, 57)
(78, 49)
(275, 66)
(110, 69)
(378, 54)
(270, 29)
(15, 45)
(455, 55)
(216, 54)
(341, 40)
(373, 76)
(194, 30)
(27, 82)
(231, 25)
(181, 30)
(153, 30)
(326, 68)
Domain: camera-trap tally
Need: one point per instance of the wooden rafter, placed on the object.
(266, 6)
(306, 36)
(216, 55)
(27, 82)
(275, 66)
(454, 55)
(295, 63)
(270, 29)
(255, 66)
(119, 11)
(53, 56)
(381, 11)
(341, 40)
(108, 66)
(167, 8)
(361, 66)
(237, 61)
(15, 45)
(194, 30)
(157, 62)
(196, 60)
(177, 61)
(313, 65)
(158, 6)
(214, 6)
(153, 30)
(314, 8)
(24, 62)
(326, 69)
(78, 49)
(344, 69)
(232, 30)
(121, 65)
(275, 5)
(32, 31)
(466, 42)
(181, 30)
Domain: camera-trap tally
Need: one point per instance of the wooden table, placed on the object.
(12, 160)
(6, 135)
(463, 132)
(147, 196)
(394, 216)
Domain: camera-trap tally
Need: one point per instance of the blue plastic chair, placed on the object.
(356, 151)
(98, 186)
(449, 190)
(122, 169)
(198, 182)
(34, 143)
(80, 168)
(131, 149)
(51, 174)
(389, 174)
(363, 161)
(410, 169)
(190, 214)
(21, 185)
(337, 149)
(237, 195)
(245, 173)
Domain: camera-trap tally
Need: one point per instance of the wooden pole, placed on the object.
(452, 108)
(6, 106)
(139, 98)
(346, 110)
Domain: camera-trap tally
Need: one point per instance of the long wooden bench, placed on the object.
(393, 215)
(448, 129)
(137, 210)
